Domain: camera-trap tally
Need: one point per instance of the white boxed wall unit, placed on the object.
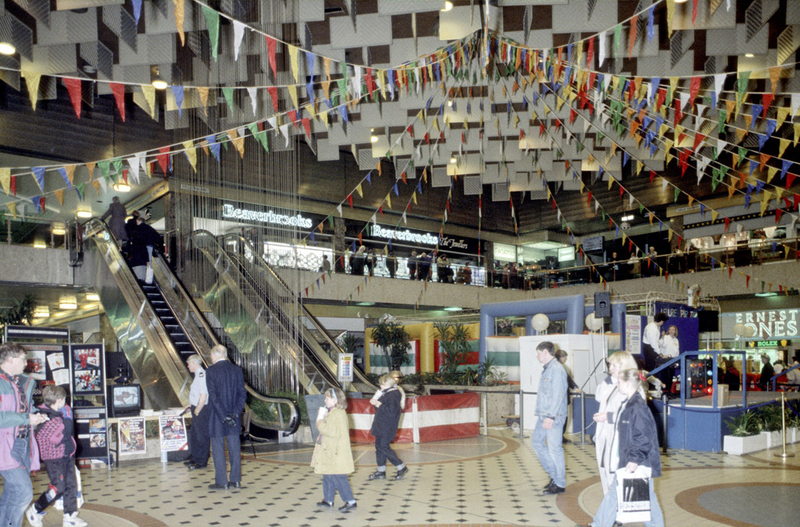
(584, 361)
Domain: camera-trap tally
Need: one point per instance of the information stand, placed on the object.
(89, 396)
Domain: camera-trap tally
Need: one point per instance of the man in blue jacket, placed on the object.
(551, 413)
(226, 399)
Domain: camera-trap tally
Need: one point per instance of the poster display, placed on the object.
(47, 364)
(91, 431)
(172, 433)
(87, 369)
(131, 436)
(633, 334)
(345, 367)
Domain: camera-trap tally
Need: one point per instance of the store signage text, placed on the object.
(229, 211)
(377, 231)
(769, 343)
(770, 324)
(452, 243)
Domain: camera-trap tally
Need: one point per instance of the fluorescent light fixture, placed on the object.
(59, 229)
(92, 297)
(40, 244)
(41, 312)
(629, 217)
(449, 5)
(767, 294)
(544, 245)
(68, 303)
(366, 304)
(122, 187)
(681, 1)
(6, 48)
(83, 213)
(749, 55)
(453, 308)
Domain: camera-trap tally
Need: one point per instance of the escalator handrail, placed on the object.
(326, 370)
(294, 418)
(305, 312)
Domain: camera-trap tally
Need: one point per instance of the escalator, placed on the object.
(254, 305)
(158, 327)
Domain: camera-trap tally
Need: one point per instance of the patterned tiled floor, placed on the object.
(485, 480)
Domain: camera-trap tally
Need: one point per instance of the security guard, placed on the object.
(199, 442)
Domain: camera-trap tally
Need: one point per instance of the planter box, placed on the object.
(744, 445)
(774, 439)
(792, 435)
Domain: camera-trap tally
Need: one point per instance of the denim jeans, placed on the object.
(607, 512)
(549, 450)
(336, 482)
(17, 495)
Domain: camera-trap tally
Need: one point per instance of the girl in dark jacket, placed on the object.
(637, 444)
(388, 403)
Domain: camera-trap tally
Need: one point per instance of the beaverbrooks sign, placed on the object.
(376, 231)
(229, 211)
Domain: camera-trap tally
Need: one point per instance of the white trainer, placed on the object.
(34, 518)
(72, 520)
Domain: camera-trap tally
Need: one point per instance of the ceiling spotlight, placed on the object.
(749, 55)
(373, 138)
(449, 5)
(453, 160)
(7, 48)
(122, 187)
(450, 104)
(84, 213)
(156, 80)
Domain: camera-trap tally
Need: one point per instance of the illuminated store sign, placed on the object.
(769, 324)
(769, 343)
(376, 231)
(229, 211)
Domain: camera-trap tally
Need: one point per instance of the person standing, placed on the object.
(326, 264)
(144, 241)
(226, 400)
(669, 348)
(467, 272)
(413, 261)
(637, 440)
(116, 211)
(652, 334)
(388, 402)
(391, 264)
(198, 399)
(335, 458)
(767, 372)
(19, 455)
(551, 413)
(610, 399)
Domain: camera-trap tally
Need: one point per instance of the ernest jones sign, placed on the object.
(768, 324)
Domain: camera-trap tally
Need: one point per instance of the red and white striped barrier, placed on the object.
(424, 419)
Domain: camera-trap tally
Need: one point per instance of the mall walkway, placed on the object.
(485, 480)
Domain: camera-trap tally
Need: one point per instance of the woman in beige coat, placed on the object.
(335, 458)
(610, 400)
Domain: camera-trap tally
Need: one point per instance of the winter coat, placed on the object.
(638, 437)
(55, 437)
(335, 455)
(143, 235)
(11, 420)
(387, 415)
(610, 400)
(226, 397)
(116, 224)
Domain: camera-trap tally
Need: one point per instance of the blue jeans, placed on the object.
(234, 455)
(607, 512)
(17, 495)
(549, 450)
(336, 482)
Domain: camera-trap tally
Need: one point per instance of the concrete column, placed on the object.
(338, 244)
(178, 224)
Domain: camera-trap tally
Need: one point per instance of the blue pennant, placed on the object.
(177, 92)
(38, 173)
(650, 30)
(784, 167)
(63, 172)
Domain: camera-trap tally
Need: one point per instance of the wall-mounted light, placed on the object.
(373, 138)
(6, 48)
(83, 213)
(453, 160)
(629, 217)
(156, 80)
(749, 55)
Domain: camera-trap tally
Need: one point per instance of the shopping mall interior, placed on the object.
(327, 178)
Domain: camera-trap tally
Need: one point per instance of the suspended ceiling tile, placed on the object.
(500, 192)
(576, 14)
(538, 195)
(472, 186)
(571, 184)
(173, 121)
(311, 10)
(160, 22)
(372, 30)
(722, 18)
(493, 174)
(330, 152)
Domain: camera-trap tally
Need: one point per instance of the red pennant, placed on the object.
(796, 200)
(652, 175)
(727, 224)
(404, 178)
(572, 115)
(350, 200)
(293, 117)
(541, 129)
(698, 139)
(306, 291)
(360, 241)
(307, 126)
(380, 209)
(163, 159)
(694, 87)
(273, 93)
(12, 186)
(621, 191)
(119, 95)
(41, 203)
(730, 271)
(662, 96)
(427, 138)
(521, 134)
(74, 89)
(678, 112)
(590, 53)
(125, 175)
(766, 100)
(271, 43)
(410, 131)
(589, 199)
(323, 278)
(778, 214)
(630, 245)
(790, 179)
(371, 83)
(666, 276)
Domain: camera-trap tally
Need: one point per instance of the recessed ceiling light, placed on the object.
(83, 213)
(7, 48)
(122, 187)
(59, 229)
(449, 5)
(749, 55)
(373, 138)
(41, 312)
(453, 308)
(767, 294)
(68, 303)
(629, 217)
(453, 160)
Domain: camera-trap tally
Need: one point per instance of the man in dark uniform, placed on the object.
(198, 399)
(226, 399)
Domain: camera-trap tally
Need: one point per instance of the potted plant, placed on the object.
(770, 416)
(454, 349)
(745, 436)
(392, 338)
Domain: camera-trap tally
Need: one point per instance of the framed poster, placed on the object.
(91, 431)
(172, 433)
(87, 369)
(131, 439)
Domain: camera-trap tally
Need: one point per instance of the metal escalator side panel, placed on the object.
(141, 336)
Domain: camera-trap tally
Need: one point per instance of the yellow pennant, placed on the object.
(326, 88)
(783, 144)
(796, 133)
(294, 64)
(748, 118)
(714, 215)
(766, 196)
(783, 113)
(650, 215)
(179, 15)
(90, 167)
(774, 76)
(293, 95)
(150, 96)
(662, 130)
(414, 197)
(324, 118)
(191, 154)
(96, 185)
(12, 207)
(5, 179)
(639, 167)
(360, 190)
(59, 196)
(670, 14)
(202, 92)
(669, 235)
(691, 200)
(731, 190)
(389, 200)
(238, 142)
(32, 80)
(70, 169)
(729, 108)
(740, 133)
(425, 175)
(771, 173)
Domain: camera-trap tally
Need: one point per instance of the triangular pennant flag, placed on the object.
(32, 80)
(74, 89)
(212, 22)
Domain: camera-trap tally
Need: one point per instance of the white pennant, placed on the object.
(339, 209)
(273, 122)
(253, 92)
(357, 81)
(405, 221)
(285, 133)
(601, 55)
(795, 102)
(721, 146)
(103, 183)
(700, 109)
(630, 200)
(238, 34)
(134, 162)
(664, 183)
(703, 163)
(699, 176)
(719, 80)
(739, 228)
(684, 97)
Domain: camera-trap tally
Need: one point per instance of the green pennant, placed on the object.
(742, 154)
(617, 38)
(105, 168)
(212, 21)
(677, 193)
(741, 84)
(641, 208)
(117, 162)
(622, 79)
(262, 138)
(330, 221)
(716, 152)
(80, 189)
(723, 114)
(228, 93)
(603, 214)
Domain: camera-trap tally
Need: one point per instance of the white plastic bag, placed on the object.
(633, 495)
(148, 276)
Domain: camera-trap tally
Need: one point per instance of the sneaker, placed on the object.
(347, 507)
(326, 504)
(378, 474)
(401, 473)
(34, 517)
(72, 520)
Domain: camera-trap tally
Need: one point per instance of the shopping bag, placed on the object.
(148, 276)
(633, 495)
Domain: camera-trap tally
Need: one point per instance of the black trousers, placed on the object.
(63, 482)
(383, 451)
(199, 442)
(650, 356)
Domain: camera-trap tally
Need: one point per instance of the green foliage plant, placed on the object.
(394, 341)
(745, 424)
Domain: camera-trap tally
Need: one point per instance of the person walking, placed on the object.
(389, 402)
(198, 399)
(551, 413)
(226, 399)
(18, 454)
(335, 458)
(116, 211)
